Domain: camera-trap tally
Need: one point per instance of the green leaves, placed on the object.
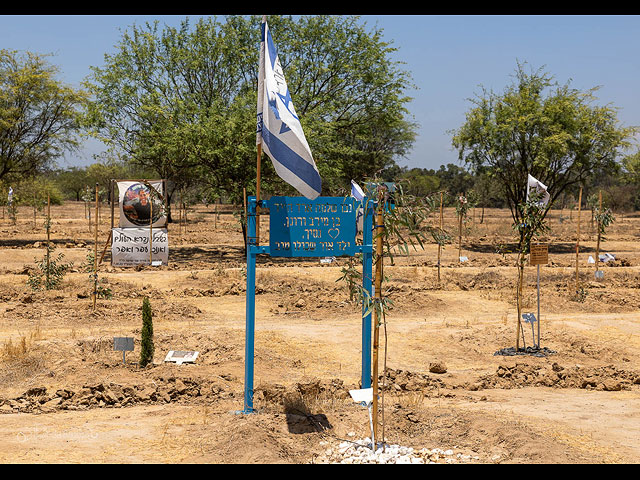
(532, 224)
(539, 127)
(183, 100)
(39, 117)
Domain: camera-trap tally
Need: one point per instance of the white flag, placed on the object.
(358, 194)
(539, 187)
(278, 127)
(356, 191)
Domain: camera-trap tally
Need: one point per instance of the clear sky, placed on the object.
(449, 57)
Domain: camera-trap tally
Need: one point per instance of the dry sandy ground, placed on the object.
(579, 405)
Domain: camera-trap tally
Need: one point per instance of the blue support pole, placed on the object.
(250, 306)
(367, 282)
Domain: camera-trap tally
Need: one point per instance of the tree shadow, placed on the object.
(181, 254)
(300, 420)
(22, 243)
(554, 247)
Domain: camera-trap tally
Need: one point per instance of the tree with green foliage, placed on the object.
(39, 116)
(536, 126)
(183, 100)
(146, 342)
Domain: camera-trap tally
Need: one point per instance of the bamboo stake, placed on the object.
(48, 235)
(180, 213)
(109, 240)
(378, 297)
(259, 161)
(578, 243)
(599, 228)
(440, 242)
(150, 227)
(459, 228)
(95, 257)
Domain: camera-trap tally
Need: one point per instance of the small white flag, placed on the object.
(539, 187)
(356, 191)
(358, 194)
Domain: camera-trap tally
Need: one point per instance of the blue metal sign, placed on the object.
(324, 227)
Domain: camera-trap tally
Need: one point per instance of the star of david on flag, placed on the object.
(278, 126)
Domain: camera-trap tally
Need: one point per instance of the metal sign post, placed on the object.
(124, 344)
(324, 227)
(539, 255)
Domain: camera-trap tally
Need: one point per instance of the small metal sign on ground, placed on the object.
(180, 357)
(539, 254)
(124, 345)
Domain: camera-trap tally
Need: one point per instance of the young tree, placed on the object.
(539, 127)
(531, 227)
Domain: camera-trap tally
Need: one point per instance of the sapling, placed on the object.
(603, 218)
(532, 226)
(400, 227)
(50, 271)
(463, 204)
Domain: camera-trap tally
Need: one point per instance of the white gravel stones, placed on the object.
(359, 452)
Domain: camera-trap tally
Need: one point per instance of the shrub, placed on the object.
(146, 351)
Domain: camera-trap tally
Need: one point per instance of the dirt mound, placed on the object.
(114, 395)
(520, 375)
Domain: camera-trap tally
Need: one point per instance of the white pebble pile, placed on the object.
(359, 451)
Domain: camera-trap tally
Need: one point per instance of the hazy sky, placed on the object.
(449, 57)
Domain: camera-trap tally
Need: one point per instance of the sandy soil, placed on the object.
(65, 395)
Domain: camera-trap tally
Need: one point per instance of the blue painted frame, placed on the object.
(253, 250)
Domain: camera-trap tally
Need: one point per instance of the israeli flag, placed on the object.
(278, 127)
(539, 187)
(358, 194)
(356, 191)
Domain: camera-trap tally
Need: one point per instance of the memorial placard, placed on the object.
(180, 357)
(324, 227)
(135, 204)
(130, 247)
(539, 254)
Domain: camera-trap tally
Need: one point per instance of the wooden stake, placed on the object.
(440, 242)
(578, 243)
(150, 226)
(259, 161)
(599, 228)
(48, 235)
(95, 257)
(180, 211)
(110, 239)
(459, 228)
(378, 297)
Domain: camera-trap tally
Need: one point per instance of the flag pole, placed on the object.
(578, 243)
(258, 162)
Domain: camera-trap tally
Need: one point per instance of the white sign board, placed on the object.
(130, 247)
